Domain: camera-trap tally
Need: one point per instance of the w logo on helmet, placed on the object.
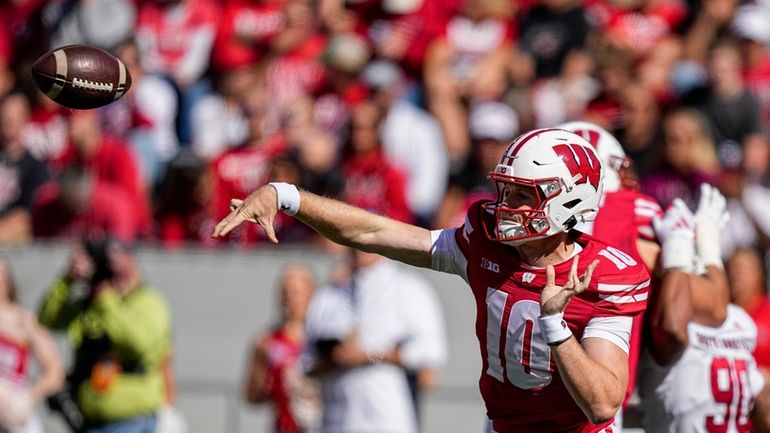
(590, 136)
(582, 163)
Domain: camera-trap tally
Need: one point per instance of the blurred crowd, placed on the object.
(401, 107)
(397, 106)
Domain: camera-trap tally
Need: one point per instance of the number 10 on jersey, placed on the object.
(516, 349)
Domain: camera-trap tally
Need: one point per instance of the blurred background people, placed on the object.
(747, 277)
(687, 159)
(492, 126)
(21, 174)
(109, 159)
(104, 24)
(181, 212)
(467, 63)
(23, 343)
(371, 180)
(732, 112)
(275, 373)
(77, 205)
(120, 331)
(175, 38)
(363, 333)
(411, 139)
(144, 117)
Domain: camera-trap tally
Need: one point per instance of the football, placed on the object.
(81, 77)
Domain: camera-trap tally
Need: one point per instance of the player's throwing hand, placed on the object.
(259, 207)
(554, 298)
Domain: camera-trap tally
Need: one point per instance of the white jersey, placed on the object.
(711, 388)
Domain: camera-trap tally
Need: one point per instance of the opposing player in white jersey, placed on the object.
(712, 385)
(711, 388)
(554, 306)
(625, 220)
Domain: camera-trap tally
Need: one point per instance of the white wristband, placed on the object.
(288, 197)
(554, 329)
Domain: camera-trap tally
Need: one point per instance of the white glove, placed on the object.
(676, 232)
(710, 219)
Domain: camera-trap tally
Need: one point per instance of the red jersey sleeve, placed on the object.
(620, 284)
(645, 210)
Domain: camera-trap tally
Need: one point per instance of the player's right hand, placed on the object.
(554, 298)
(259, 207)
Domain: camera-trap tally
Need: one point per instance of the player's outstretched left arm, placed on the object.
(335, 220)
(595, 371)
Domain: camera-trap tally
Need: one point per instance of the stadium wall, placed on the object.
(221, 299)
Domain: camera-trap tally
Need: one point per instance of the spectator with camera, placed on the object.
(120, 331)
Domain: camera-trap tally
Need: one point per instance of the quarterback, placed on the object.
(554, 306)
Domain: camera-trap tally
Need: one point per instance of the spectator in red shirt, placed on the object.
(746, 274)
(371, 180)
(398, 30)
(295, 69)
(78, 205)
(110, 161)
(273, 373)
(247, 28)
(175, 38)
(466, 62)
(637, 26)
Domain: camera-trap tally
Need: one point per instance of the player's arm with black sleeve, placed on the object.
(342, 223)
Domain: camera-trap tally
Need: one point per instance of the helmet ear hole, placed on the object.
(572, 203)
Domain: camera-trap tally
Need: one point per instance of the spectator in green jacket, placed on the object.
(120, 331)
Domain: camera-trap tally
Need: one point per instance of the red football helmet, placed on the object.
(562, 174)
